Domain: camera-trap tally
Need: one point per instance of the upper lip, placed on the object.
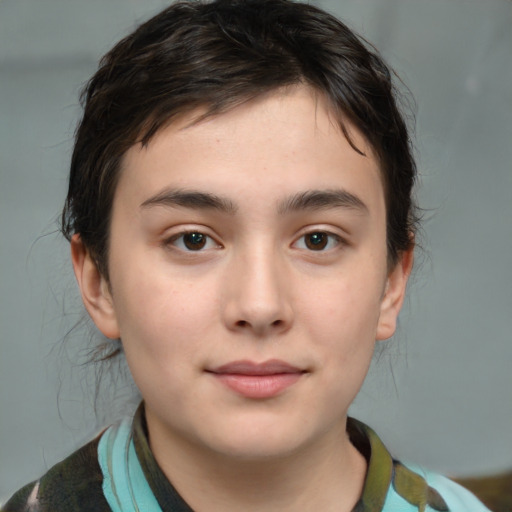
(270, 367)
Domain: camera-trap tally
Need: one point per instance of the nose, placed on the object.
(258, 295)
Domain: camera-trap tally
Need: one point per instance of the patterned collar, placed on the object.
(383, 473)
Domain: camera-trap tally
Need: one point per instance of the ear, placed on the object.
(394, 294)
(94, 288)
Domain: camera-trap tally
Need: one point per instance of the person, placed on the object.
(242, 227)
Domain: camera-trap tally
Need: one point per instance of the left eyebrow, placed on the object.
(193, 199)
(322, 200)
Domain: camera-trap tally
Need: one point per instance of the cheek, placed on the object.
(342, 321)
(346, 306)
(345, 339)
(161, 318)
(161, 333)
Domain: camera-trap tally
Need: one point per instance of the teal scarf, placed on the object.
(117, 472)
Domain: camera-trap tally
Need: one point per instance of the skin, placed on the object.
(258, 290)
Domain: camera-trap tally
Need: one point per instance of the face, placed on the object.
(248, 276)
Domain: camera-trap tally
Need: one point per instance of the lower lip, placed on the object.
(258, 386)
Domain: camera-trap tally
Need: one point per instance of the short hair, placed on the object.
(215, 55)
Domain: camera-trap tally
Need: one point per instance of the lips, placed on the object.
(257, 380)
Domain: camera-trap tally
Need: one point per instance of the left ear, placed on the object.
(394, 294)
(94, 288)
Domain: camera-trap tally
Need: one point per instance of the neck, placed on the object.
(326, 475)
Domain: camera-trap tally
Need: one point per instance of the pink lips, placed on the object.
(257, 380)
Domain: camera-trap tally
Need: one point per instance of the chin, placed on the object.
(257, 449)
(258, 440)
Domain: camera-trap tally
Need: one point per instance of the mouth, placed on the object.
(257, 380)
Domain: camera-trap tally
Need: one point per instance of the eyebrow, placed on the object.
(193, 199)
(322, 200)
(308, 200)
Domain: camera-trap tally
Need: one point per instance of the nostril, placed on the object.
(244, 323)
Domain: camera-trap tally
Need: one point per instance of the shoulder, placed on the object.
(457, 497)
(441, 493)
(392, 486)
(73, 485)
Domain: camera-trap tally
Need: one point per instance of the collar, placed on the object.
(384, 474)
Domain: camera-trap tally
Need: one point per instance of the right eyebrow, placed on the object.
(322, 200)
(194, 199)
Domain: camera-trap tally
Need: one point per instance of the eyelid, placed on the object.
(337, 242)
(339, 239)
(170, 241)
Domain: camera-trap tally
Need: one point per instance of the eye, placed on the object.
(192, 241)
(318, 241)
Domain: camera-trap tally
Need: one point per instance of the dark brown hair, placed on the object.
(217, 55)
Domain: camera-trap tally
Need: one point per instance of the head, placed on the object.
(214, 56)
(240, 202)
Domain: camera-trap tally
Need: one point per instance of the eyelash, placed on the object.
(331, 243)
(179, 241)
(325, 241)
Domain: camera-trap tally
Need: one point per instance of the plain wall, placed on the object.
(439, 394)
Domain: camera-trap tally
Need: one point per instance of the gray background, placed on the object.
(439, 394)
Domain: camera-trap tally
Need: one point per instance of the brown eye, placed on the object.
(316, 241)
(194, 241)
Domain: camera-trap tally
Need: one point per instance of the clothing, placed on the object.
(117, 472)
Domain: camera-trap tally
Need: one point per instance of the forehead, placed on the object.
(282, 141)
